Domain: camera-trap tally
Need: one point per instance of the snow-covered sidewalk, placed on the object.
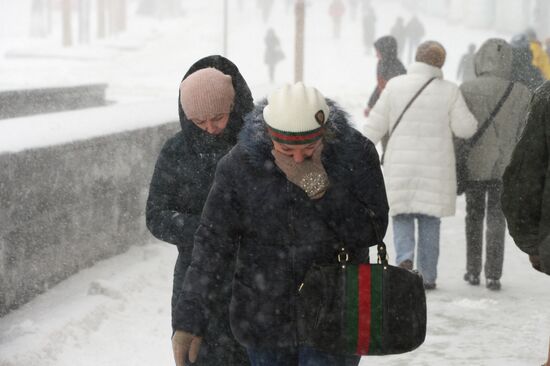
(118, 313)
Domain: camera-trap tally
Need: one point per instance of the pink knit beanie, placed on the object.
(206, 92)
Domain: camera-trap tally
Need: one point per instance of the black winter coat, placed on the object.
(526, 182)
(255, 216)
(182, 178)
(388, 66)
(523, 70)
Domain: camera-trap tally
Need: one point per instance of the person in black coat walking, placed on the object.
(526, 184)
(300, 181)
(523, 70)
(466, 68)
(273, 52)
(214, 98)
(399, 32)
(369, 29)
(388, 67)
(414, 31)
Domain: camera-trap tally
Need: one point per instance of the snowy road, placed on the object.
(117, 312)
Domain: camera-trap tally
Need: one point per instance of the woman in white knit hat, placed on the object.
(299, 182)
(213, 100)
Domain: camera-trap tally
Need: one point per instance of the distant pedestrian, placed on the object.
(273, 52)
(523, 70)
(466, 69)
(419, 165)
(369, 27)
(526, 184)
(336, 12)
(540, 58)
(387, 68)
(398, 31)
(414, 31)
(490, 155)
(265, 7)
(547, 46)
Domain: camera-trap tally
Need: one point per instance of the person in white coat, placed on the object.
(419, 163)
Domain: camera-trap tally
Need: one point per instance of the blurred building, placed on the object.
(507, 16)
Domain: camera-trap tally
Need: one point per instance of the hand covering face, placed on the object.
(309, 175)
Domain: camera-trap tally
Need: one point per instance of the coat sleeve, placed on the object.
(374, 97)
(524, 98)
(525, 178)
(378, 121)
(166, 216)
(207, 282)
(357, 200)
(463, 122)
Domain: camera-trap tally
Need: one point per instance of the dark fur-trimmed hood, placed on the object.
(256, 143)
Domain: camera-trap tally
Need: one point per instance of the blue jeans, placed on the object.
(301, 356)
(428, 242)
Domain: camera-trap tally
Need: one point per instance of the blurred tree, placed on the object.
(66, 23)
(336, 12)
(39, 26)
(84, 15)
(225, 26)
(117, 16)
(101, 19)
(159, 8)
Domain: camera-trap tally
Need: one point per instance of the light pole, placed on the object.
(225, 22)
(299, 11)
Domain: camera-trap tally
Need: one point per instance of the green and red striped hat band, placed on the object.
(295, 138)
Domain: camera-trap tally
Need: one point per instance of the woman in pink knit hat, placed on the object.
(213, 99)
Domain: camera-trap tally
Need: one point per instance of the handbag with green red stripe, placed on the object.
(362, 309)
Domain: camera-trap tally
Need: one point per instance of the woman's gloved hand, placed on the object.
(184, 344)
(309, 175)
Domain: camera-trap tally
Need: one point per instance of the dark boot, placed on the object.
(471, 278)
(493, 284)
(429, 286)
(407, 264)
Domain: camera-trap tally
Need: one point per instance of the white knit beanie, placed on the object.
(206, 92)
(296, 114)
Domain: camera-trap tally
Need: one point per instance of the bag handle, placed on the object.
(380, 245)
(343, 256)
(404, 110)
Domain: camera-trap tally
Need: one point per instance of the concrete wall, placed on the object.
(65, 207)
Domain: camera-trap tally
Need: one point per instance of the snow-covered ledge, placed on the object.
(17, 134)
(73, 187)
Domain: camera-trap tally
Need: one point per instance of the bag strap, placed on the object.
(409, 105)
(471, 141)
(401, 116)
